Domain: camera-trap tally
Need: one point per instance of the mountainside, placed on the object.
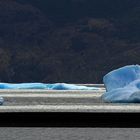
(74, 41)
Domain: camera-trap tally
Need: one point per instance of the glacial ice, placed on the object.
(122, 85)
(55, 86)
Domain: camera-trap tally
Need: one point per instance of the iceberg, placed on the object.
(64, 86)
(55, 86)
(122, 85)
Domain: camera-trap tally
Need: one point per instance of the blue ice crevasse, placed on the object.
(122, 85)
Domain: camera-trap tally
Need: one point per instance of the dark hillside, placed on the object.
(75, 41)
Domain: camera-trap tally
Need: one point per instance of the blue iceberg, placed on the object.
(122, 85)
(64, 86)
(55, 86)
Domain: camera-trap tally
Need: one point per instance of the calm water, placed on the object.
(69, 133)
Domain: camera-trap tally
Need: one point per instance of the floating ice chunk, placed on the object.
(55, 86)
(64, 86)
(123, 85)
(23, 86)
(1, 100)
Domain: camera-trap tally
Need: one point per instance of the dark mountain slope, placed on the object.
(75, 41)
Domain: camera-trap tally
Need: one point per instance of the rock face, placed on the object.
(123, 85)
